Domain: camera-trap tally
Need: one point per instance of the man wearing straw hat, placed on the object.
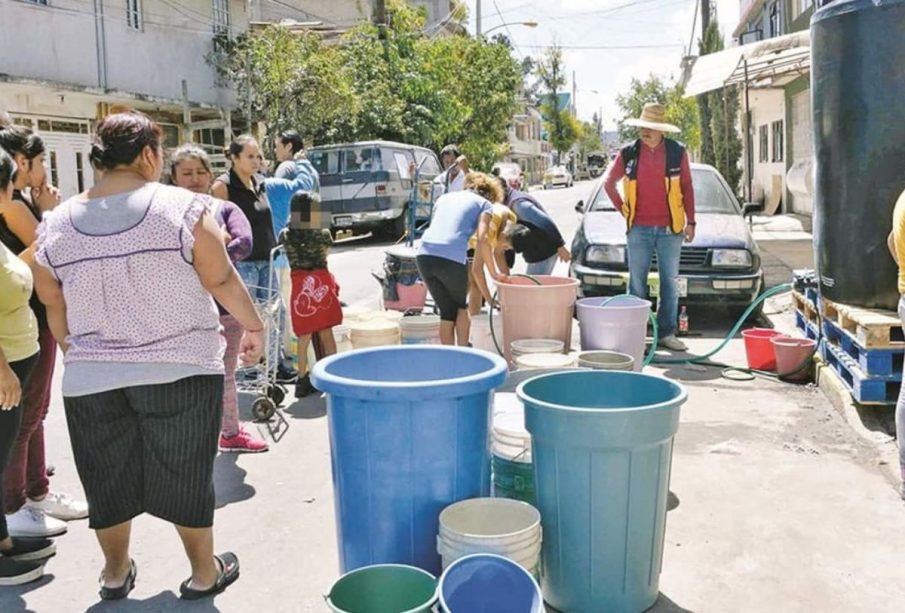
(659, 211)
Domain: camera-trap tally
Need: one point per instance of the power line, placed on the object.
(508, 31)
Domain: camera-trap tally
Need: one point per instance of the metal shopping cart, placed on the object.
(260, 380)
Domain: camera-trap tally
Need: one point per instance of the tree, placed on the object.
(562, 127)
(722, 106)
(589, 141)
(680, 111)
(706, 45)
(393, 81)
(288, 80)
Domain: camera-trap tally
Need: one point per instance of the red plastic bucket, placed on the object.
(759, 348)
(791, 354)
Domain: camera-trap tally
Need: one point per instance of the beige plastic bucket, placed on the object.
(420, 330)
(537, 311)
(376, 332)
(501, 526)
(535, 361)
(606, 360)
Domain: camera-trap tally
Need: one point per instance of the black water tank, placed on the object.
(858, 93)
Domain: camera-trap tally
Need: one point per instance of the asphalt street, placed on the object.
(778, 505)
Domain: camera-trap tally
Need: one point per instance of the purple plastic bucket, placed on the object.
(617, 323)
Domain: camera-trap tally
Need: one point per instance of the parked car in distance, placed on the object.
(557, 176)
(510, 171)
(367, 186)
(722, 264)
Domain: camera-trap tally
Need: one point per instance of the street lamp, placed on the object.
(527, 24)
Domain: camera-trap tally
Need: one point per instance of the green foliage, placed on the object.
(719, 114)
(394, 82)
(289, 80)
(680, 111)
(590, 138)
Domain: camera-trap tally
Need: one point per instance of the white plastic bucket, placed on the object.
(534, 361)
(536, 345)
(342, 334)
(480, 336)
(606, 360)
(508, 528)
(510, 439)
(420, 330)
(376, 332)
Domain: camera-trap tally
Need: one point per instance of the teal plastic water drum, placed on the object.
(602, 451)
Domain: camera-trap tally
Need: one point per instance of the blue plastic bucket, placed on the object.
(602, 453)
(487, 583)
(408, 437)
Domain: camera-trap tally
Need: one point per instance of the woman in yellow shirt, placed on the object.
(500, 218)
(18, 354)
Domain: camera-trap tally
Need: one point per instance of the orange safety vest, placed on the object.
(675, 151)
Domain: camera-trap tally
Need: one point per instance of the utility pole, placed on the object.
(380, 12)
(477, 22)
(708, 152)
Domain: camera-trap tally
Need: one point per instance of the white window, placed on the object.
(221, 17)
(774, 14)
(133, 14)
(802, 6)
(778, 135)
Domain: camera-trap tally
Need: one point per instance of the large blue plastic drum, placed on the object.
(602, 450)
(408, 437)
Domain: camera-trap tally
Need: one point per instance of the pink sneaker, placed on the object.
(243, 442)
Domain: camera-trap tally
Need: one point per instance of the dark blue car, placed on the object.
(722, 265)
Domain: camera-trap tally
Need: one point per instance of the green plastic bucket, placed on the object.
(513, 480)
(384, 588)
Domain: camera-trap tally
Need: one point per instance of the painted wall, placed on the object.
(767, 106)
(171, 46)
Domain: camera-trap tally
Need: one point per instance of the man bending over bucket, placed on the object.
(658, 211)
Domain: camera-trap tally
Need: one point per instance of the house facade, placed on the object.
(66, 63)
(780, 147)
(527, 148)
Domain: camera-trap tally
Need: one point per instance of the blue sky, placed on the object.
(644, 36)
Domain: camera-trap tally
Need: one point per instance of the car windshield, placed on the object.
(710, 195)
(558, 169)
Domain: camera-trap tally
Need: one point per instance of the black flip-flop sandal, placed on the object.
(229, 572)
(118, 593)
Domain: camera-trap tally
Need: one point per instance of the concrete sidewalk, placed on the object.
(779, 505)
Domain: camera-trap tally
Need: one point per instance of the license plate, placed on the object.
(342, 222)
(681, 282)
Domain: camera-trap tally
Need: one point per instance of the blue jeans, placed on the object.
(643, 242)
(256, 274)
(544, 267)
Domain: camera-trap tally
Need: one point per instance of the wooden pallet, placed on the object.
(865, 390)
(806, 307)
(871, 328)
(873, 362)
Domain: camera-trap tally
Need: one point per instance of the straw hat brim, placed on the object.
(660, 127)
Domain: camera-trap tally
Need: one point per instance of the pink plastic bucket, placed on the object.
(793, 356)
(759, 348)
(411, 297)
(537, 311)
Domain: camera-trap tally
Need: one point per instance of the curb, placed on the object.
(870, 423)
